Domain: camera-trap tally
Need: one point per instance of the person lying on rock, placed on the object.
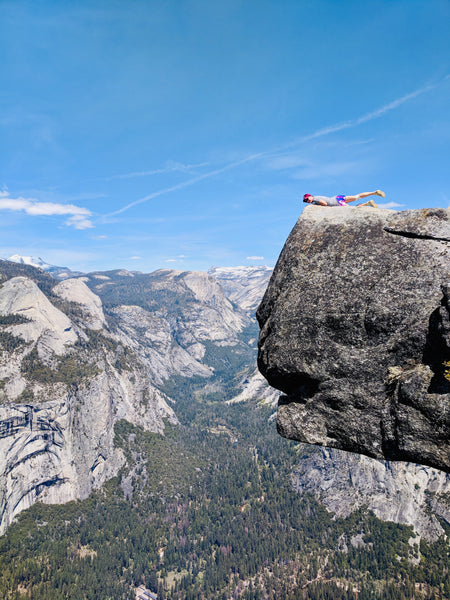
(342, 200)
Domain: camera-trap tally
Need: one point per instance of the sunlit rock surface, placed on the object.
(75, 290)
(21, 296)
(397, 491)
(355, 330)
(61, 394)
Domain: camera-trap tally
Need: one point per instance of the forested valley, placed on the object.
(207, 511)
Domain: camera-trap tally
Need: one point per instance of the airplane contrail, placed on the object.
(379, 112)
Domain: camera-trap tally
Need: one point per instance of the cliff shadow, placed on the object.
(437, 351)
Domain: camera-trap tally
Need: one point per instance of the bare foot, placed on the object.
(368, 203)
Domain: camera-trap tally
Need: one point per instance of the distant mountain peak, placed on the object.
(243, 285)
(33, 261)
(240, 271)
(39, 263)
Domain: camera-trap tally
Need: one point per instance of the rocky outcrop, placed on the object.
(355, 330)
(151, 337)
(42, 321)
(75, 290)
(401, 492)
(62, 389)
(244, 286)
(60, 450)
(71, 367)
(254, 386)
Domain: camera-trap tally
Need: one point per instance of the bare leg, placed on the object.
(369, 203)
(364, 195)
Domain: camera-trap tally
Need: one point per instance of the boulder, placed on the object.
(355, 331)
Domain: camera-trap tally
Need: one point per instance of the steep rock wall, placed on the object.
(401, 492)
(355, 330)
(60, 396)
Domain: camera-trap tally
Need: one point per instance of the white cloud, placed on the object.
(79, 222)
(179, 259)
(135, 257)
(390, 205)
(79, 216)
(255, 258)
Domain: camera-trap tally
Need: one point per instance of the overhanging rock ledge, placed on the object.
(355, 330)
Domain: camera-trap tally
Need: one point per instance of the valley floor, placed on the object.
(207, 511)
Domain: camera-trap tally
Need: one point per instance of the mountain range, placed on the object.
(85, 356)
(36, 261)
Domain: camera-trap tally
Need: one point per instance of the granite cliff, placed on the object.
(64, 382)
(395, 491)
(355, 331)
(79, 355)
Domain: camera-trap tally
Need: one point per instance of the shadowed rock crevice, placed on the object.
(437, 347)
(355, 330)
(417, 236)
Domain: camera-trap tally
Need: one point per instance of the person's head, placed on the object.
(308, 198)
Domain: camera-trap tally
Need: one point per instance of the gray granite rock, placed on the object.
(355, 330)
(401, 492)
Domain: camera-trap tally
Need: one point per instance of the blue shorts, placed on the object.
(341, 200)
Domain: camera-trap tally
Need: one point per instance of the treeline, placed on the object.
(144, 290)
(207, 512)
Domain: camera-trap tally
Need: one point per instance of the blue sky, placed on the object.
(183, 134)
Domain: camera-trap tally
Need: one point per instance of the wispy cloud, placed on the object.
(370, 116)
(135, 257)
(330, 129)
(170, 167)
(187, 183)
(179, 258)
(331, 169)
(307, 169)
(390, 205)
(255, 258)
(79, 217)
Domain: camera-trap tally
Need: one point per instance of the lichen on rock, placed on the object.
(355, 330)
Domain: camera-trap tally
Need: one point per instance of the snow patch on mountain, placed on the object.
(33, 261)
(39, 263)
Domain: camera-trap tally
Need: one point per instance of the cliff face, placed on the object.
(355, 330)
(71, 366)
(64, 382)
(394, 491)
